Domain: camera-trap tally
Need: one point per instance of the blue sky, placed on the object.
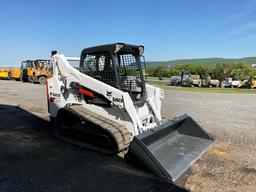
(169, 29)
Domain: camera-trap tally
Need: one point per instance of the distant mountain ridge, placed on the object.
(202, 61)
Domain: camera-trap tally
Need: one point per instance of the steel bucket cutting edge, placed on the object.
(170, 149)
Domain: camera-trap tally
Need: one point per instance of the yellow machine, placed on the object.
(15, 73)
(41, 72)
(189, 80)
(4, 73)
(26, 69)
(252, 82)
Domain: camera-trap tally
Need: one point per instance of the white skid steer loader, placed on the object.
(106, 106)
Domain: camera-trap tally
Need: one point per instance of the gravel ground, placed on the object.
(229, 166)
(31, 97)
(31, 159)
(231, 119)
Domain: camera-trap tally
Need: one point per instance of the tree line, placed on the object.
(220, 71)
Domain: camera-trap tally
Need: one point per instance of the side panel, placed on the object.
(15, 73)
(4, 74)
(55, 97)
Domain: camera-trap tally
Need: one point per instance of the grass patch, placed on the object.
(211, 90)
(163, 83)
(207, 90)
(157, 79)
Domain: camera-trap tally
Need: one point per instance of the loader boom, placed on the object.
(122, 100)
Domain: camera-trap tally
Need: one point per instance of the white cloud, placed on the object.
(247, 28)
(242, 11)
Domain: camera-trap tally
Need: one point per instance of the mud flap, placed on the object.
(170, 149)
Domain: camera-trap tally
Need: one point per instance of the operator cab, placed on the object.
(118, 65)
(43, 64)
(26, 67)
(27, 64)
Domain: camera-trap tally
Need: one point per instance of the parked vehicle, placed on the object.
(26, 69)
(4, 73)
(160, 77)
(226, 83)
(208, 82)
(175, 81)
(15, 73)
(41, 72)
(252, 82)
(189, 80)
(237, 84)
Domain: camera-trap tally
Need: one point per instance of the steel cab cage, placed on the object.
(124, 60)
(27, 64)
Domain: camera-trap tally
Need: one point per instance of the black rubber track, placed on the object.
(76, 124)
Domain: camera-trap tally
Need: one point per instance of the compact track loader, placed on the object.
(105, 105)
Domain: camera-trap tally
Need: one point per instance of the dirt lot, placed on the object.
(231, 119)
(32, 160)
